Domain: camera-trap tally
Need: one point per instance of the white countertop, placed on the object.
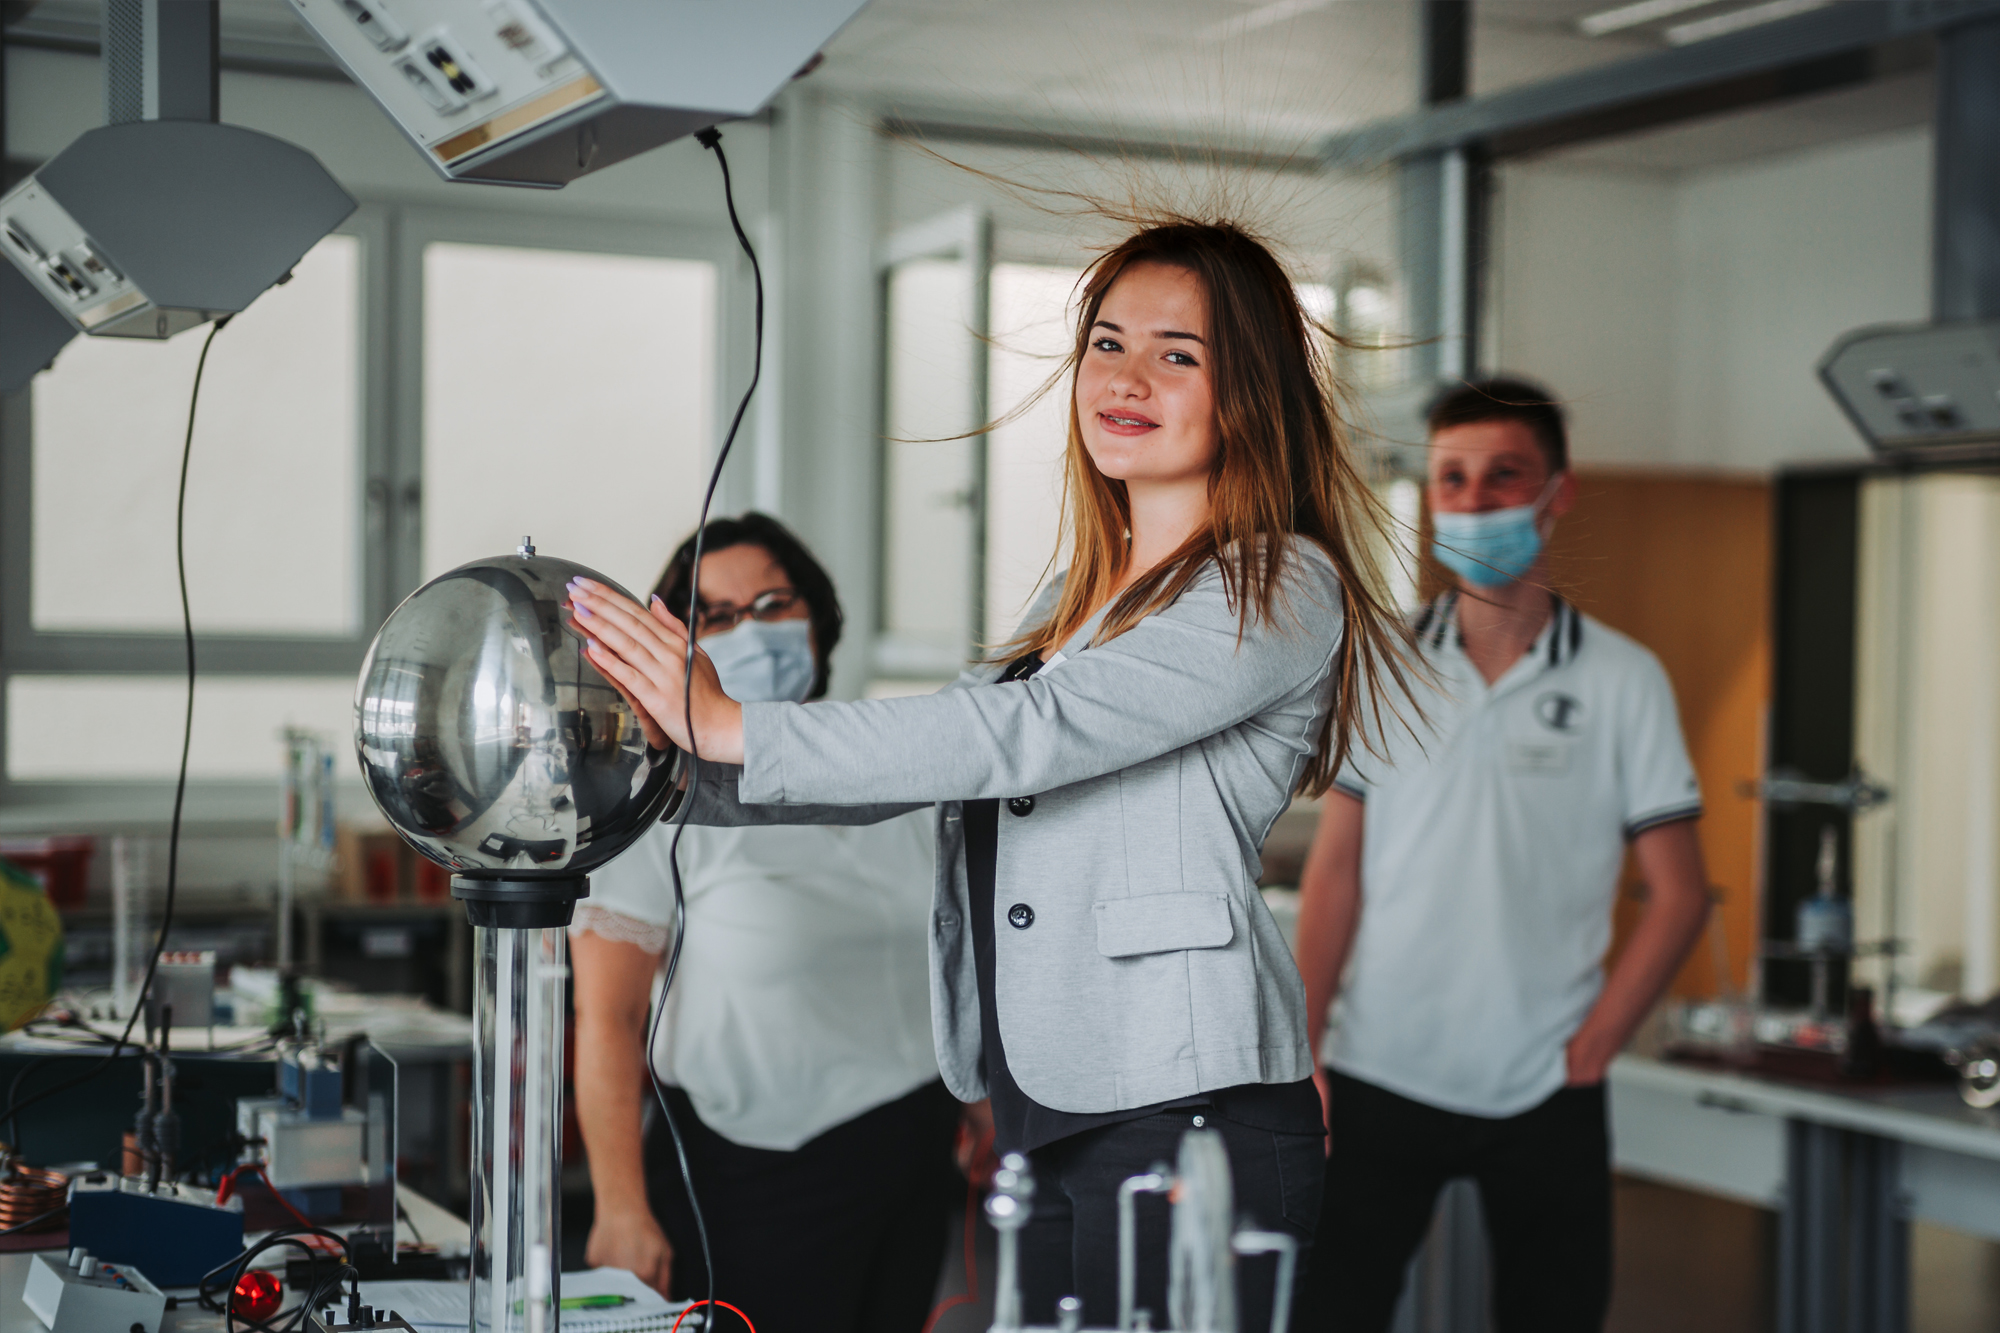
(1931, 1115)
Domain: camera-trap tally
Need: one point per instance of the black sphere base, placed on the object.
(519, 904)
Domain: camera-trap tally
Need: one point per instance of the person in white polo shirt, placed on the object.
(1461, 885)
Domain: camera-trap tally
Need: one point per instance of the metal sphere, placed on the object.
(487, 737)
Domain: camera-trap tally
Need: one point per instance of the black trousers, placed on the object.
(1544, 1187)
(844, 1235)
(1070, 1245)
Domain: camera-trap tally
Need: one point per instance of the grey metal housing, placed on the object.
(200, 216)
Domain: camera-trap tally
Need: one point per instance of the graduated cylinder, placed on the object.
(519, 979)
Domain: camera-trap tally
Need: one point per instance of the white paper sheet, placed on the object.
(441, 1305)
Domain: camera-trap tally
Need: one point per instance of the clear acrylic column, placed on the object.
(519, 982)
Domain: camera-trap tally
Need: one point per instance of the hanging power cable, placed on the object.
(710, 139)
(124, 1040)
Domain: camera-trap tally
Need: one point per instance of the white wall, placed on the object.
(1583, 294)
(1772, 262)
(1682, 314)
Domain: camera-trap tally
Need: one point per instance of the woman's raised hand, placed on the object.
(643, 651)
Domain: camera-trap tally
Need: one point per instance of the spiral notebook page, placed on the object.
(442, 1305)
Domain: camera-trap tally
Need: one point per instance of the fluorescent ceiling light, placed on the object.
(1736, 20)
(1631, 16)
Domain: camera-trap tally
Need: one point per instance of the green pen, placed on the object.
(605, 1302)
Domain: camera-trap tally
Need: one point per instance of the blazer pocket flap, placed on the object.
(1162, 923)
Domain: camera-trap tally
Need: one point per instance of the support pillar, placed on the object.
(1844, 1234)
(1965, 254)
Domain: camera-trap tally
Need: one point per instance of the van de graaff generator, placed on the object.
(497, 750)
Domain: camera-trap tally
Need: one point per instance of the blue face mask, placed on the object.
(1494, 547)
(764, 661)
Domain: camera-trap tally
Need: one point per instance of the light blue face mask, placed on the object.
(764, 661)
(1494, 547)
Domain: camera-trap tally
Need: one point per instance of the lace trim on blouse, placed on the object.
(617, 926)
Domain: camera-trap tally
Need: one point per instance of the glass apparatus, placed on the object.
(517, 1031)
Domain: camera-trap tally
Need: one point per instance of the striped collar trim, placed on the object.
(1560, 640)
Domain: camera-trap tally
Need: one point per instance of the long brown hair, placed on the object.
(1283, 470)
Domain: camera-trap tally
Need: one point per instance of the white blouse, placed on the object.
(803, 997)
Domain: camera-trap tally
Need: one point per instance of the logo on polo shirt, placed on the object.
(1559, 711)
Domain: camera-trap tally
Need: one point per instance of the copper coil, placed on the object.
(31, 1196)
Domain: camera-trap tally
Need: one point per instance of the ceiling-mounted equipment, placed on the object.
(163, 219)
(539, 92)
(147, 229)
(31, 330)
(1920, 390)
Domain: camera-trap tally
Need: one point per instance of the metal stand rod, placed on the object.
(1008, 1208)
(1287, 1249)
(1156, 1181)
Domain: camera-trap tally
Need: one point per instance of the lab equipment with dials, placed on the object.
(496, 749)
(84, 1294)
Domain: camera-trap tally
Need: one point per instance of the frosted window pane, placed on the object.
(1033, 328)
(567, 397)
(272, 526)
(929, 483)
(94, 728)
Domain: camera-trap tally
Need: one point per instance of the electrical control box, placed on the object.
(91, 1295)
(183, 986)
(175, 1233)
(539, 92)
(300, 1151)
(306, 1136)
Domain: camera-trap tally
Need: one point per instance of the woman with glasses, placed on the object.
(795, 1048)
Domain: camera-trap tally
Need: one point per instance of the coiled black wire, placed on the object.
(217, 1288)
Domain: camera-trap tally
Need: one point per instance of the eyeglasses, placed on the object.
(717, 617)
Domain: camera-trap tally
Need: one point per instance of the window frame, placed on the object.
(962, 235)
(389, 459)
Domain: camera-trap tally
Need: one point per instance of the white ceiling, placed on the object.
(1274, 75)
(1278, 73)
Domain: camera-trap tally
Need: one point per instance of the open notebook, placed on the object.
(442, 1305)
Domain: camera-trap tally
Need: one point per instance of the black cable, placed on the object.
(14, 1108)
(222, 1298)
(710, 139)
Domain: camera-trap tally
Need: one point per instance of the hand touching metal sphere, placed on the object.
(488, 738)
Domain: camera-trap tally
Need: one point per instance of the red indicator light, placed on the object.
(257, 1295)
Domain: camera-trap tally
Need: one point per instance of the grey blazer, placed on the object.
(1154, 765)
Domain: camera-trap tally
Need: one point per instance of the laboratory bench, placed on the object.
(431, 1048)
(423, 1221)
(1846, 1169)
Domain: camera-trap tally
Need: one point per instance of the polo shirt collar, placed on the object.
(1561, 638)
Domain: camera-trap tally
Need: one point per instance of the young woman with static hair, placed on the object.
(1102, 963)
